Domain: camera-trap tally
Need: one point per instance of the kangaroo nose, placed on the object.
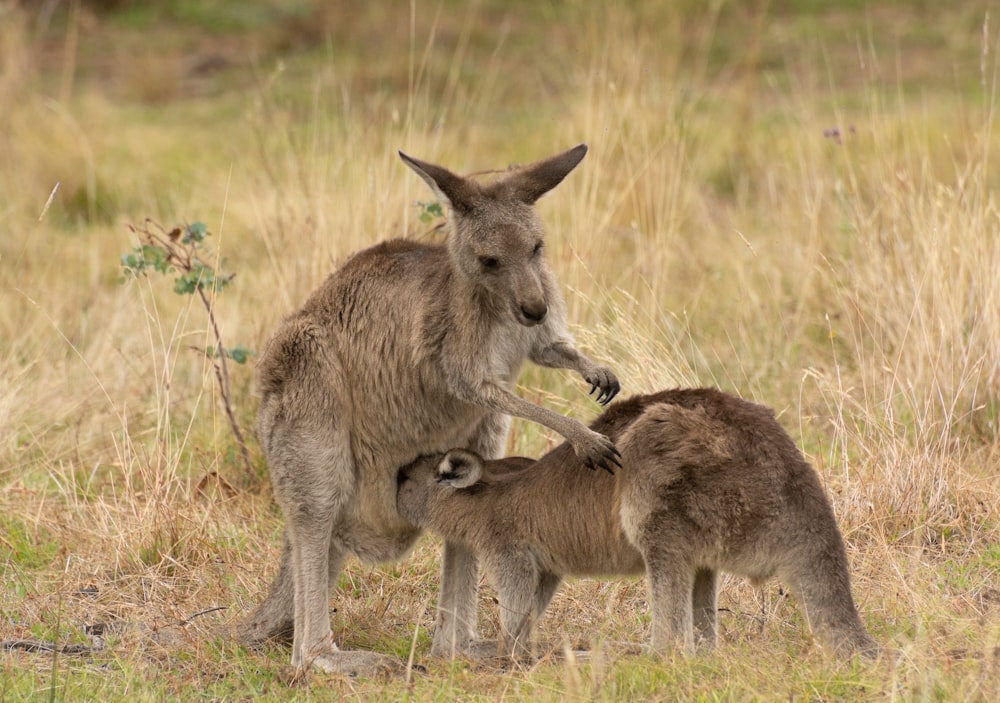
(534, 313)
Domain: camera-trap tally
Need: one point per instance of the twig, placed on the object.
(40, 647)
(206, 611)
(222, 375)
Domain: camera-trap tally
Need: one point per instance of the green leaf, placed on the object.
(147, 256)
(194, 233)
(132, 264)
(430, 211)
(186, 284)
(240, 354)
(155, 257)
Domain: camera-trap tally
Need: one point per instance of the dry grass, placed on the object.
(717, 233)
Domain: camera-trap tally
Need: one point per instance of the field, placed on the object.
(795, 203)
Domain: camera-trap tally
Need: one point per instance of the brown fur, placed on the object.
(409, 348)
(708, 483)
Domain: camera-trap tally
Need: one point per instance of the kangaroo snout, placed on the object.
(532, 313)
(529, 300)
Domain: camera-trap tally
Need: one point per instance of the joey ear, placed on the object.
(459, 469)
(459, 193)
(534, 181)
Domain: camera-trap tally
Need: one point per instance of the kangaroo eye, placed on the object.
(489, 262)
(538, 247)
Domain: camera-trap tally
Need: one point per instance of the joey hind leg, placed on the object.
(548, 584)
(520, 591)
(671, 585)
(822, 586)
(704, 607)
(455, 623)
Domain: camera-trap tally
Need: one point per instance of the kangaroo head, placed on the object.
(496, 238)
(418, 481)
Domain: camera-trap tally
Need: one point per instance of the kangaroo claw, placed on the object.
(604, 386)
(612, 457)
(602, 454)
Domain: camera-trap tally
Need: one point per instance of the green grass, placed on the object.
(717, 233)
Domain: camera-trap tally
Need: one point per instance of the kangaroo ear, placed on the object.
(459, 193)
(534, 181)
(459, 469)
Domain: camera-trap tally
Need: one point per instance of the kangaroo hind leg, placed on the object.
(273, 618)
(822, 587)
(517, 580)
(312, 474)
(704, 607)
(671, 585)
(548, 584)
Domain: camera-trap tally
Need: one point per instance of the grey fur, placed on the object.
(708, 483)
(408, 348)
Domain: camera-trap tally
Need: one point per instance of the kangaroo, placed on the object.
(409, 348)
(708, 482)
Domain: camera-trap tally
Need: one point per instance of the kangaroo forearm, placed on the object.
(563, 355)
(592, 448)
(496, 398)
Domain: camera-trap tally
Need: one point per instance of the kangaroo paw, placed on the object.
(603, 381)
(599, 453)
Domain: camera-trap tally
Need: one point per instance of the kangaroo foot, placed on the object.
(359, 664)
(475, 649)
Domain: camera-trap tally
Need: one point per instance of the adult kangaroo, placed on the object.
(708, 482)
(409, 348)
